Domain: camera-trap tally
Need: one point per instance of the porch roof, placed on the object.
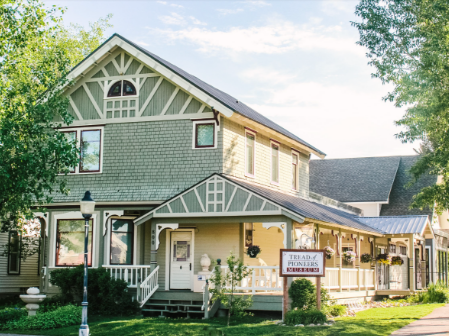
(398, 224)
(240, 198)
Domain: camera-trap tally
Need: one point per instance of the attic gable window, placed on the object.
(122, 88)
(204, 134)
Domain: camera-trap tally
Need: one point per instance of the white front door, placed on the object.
(181, 259)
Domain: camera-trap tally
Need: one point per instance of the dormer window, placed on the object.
(122, 88)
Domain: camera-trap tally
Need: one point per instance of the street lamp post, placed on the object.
(87, 206)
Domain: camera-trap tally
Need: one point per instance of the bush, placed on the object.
(106, 296)
(51, 304)
(303, 294)
(61, 317)
(336, 310)
(436, 293)
(11, 314)
(300, 316)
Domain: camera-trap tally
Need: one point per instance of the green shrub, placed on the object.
(61, 317)
(336, 310)
(106, 296)
(11, 314)
(303, 294)
(51, 303)
(300, 316)
(436, 293)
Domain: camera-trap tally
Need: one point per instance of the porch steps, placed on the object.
(175, 303)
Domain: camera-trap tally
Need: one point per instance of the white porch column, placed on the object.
(340, 265)
(156, 230)
(411, 262)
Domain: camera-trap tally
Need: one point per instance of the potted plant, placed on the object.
(329, 252)
(366, 258)
(253, 251)
(397, 261)
(349, 256)
(384, 258)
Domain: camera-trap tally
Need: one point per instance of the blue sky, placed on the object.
(294, 61)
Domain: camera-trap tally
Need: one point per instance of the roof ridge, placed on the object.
(366, 157)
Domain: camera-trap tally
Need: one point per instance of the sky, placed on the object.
(296, 62)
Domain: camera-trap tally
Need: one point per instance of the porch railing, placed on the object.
(148, 286)
(130, 273)
(260, 279)
(331, 279)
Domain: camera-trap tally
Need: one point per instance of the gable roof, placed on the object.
(368, 179)
(252, 200)
(401, 197)
(222, 99)
(397, 224)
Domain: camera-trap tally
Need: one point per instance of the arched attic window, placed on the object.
(122, 88)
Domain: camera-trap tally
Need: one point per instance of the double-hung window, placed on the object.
(70, 242)
(89, 141)
(250, 153)
(122, 242)
(14, 252)
(274, 162)
(294, 171)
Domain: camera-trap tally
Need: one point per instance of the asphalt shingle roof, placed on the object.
(307, 208)
(367, 179)
(397, 224)
(229, 101)
(401, 197)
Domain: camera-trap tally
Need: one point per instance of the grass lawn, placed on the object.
(376, 321)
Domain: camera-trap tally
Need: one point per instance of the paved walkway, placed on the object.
(434, 324)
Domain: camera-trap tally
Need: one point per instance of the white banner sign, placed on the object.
(302, 263)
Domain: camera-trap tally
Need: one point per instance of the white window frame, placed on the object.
(78, 131)
(200, 122)
(109, 243)
(247, 131)
(108, 87)
(278, 145)
(296, 187)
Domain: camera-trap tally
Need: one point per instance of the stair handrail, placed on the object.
(149, 286)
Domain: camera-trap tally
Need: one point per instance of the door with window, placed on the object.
(418, 270)
(181, 259)
(383, 273)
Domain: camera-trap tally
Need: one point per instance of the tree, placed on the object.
(224, 287)
(408, 46)
(36, 54)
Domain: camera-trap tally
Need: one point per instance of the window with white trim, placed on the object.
(70, 242)
(249, 234)
(274, 162)
(122, 242)
(250, 153)
(90, 143)
(204, 134)
(294, 171)
(14, 252)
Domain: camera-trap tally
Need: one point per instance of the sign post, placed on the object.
(302, 263)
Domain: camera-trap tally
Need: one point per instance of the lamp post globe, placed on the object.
(87, 207)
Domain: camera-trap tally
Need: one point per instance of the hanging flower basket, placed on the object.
(384, 258)
(366, 258)
(253, 251)
(349, 256)
(329, 252)
(397, 261)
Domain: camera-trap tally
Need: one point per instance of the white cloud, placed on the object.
(336, 7)
(165, 3)
(162, 2)
(275, 38)
(257, 3)
(264, 75)
(173, 19)
(144, 44)
(197, 22)
(176, 5)
(229, 11)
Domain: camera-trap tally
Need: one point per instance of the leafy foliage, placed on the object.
(366, 258)
(224, 287)
(336, 310)
(61, 317)
(299, 316)
(408, 47)
(303, 294)
(11, 314)
(106, 296)
(436, 293)
(36, 53)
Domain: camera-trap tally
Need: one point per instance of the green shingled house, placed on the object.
(181, 173)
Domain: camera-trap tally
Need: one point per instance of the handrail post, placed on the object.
(206, 300)
(138, 295)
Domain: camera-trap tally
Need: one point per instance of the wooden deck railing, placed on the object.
(130, 273)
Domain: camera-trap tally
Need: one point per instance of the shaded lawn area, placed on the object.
(376, 321)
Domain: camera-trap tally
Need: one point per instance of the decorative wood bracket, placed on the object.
(281, 225)
(337, 238)
(216, 114)
(354, 238)
(107, 214)
(45, 216)
(159, 228)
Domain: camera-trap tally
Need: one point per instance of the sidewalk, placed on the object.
(434, 324)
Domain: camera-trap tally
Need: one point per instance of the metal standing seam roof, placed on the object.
(229, 101)
(305, 208)
(397, 224)
(368, 179)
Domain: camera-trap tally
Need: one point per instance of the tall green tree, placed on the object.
(408, 45)
(36, 53)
